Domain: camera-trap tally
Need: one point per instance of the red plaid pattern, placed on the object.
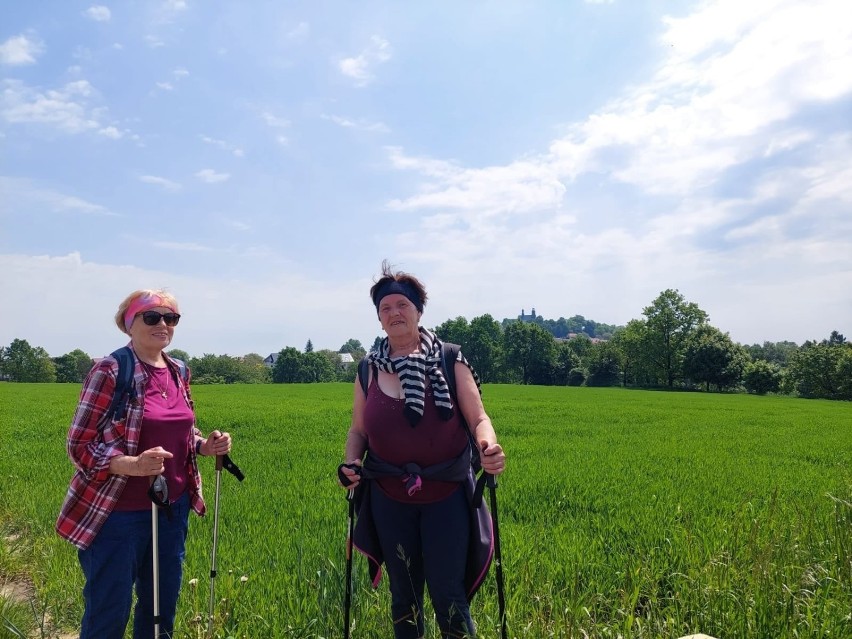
(93, 441)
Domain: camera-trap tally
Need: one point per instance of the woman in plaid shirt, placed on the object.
(107, 510)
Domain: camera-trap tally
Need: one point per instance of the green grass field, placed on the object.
(622, 514)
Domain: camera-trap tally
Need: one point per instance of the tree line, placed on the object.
(672, 346)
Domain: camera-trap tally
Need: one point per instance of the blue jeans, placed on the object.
(425, 543)
(119, 559)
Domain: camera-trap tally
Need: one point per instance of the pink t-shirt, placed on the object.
(431, 441)
(167, 422)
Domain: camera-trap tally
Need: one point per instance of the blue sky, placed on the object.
(260, 159)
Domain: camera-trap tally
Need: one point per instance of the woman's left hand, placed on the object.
(216, 444)
(492, 457)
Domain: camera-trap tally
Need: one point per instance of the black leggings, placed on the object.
(425, 544)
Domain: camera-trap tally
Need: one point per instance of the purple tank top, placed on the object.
(166, 422)
(430, 442)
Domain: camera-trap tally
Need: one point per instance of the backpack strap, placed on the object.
(125, 389)
(182, 368)
(364, 374)
(449, 355)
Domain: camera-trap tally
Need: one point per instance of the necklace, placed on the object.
(163, 391)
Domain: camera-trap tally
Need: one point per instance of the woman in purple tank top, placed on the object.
(107, 513)
(408, 448)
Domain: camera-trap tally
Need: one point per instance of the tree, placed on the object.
(630, 343)
(581, 344)
(72, 367)
(483, 346)
(710, 357)
(377, 343)
(773, 352)
(821, 371)
(23, 363)
(320, 366)
(455, 331)
(543, 355)
(217, 369)
(670, 321)
(762, 377)
(354, 348)
(288, 367)
(603, 365)
(177, 353)
(309, 347)
(565, 361)
(530, 352)
(253, 370)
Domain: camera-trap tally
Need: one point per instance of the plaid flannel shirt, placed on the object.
(93, 441)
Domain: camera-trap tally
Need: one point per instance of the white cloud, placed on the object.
(211, 177)
(92, 289)
(23, 196)
(98, 13)
(180, 72)
(520, 187)
(225, 146)
(165, 86)
(169, 185)
(299, 33)
(155, 42)
(182, 246)
(20, 50)
(722, 97)
(359, 125)
(66, 108)
(274, 121)
(111, 132)
(359, 68)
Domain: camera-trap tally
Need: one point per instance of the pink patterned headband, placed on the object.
(144, 303)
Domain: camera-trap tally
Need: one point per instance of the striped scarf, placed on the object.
(412, 370)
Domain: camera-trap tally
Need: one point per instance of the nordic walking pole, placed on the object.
(220, 459)
(158, 492)
(155, 551)
(491, 480)
(350, 497)
(347, 602)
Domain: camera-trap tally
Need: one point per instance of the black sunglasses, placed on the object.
(152, 318)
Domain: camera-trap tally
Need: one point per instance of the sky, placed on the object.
(260, 159)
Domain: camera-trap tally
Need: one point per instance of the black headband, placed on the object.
(402, 288)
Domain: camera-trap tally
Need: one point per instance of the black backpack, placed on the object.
(125, 389)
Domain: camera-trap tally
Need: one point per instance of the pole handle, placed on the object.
(220, 461)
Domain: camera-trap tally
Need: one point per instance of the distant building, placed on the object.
(345, 359)
(527, 318)
(270, 359)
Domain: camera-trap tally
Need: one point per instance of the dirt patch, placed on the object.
(23, 592)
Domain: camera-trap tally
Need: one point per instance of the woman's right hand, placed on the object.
(148, 463)
(151, 462)
(351, 470)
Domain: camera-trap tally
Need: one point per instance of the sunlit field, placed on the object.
(622, 514)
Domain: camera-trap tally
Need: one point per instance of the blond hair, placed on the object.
(167, 298)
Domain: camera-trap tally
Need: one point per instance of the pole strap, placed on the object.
(231, 467)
